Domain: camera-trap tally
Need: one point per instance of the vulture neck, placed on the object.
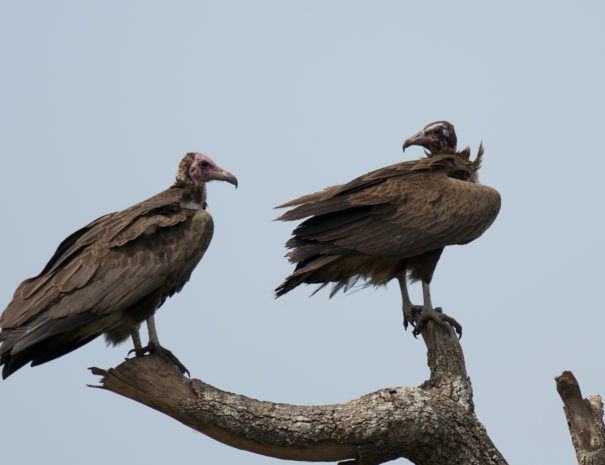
(193, 197)
(465, 153)
(459, 166)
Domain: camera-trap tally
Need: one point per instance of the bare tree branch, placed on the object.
(585, 420)
(431, 424)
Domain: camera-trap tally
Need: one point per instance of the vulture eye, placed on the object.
(204, 164)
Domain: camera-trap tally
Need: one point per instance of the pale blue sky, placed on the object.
(100, 100)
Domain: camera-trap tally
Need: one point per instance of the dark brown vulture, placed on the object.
(114, 273)
(392, 221)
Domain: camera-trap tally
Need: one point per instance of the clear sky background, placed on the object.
(100, 100)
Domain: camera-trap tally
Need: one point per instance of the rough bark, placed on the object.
(431, 424)
(585, 420)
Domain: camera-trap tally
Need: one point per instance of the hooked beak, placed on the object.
(220, 174)
(418, 139)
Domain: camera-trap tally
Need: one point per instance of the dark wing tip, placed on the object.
(292, 203)
(284, 205)
(12, 364)
(287, 216)
(281, 289)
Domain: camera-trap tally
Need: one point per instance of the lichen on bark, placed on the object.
(432, 424)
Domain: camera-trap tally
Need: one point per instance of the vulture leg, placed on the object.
(154, 347)
(434, 314)
(136, 341)
(408, 308)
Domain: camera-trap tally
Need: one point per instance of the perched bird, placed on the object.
(112, 274)
(391, 222)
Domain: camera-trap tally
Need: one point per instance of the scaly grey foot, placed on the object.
(166, 354)
(438, 317)
(411, 314)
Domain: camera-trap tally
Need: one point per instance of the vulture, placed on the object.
(112, 274)
(393, 222)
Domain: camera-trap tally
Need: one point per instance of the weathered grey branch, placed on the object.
(585, 420)
(431, 424)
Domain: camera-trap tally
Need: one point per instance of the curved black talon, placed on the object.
(439, 317)
(454, 324)
(166, 354)
(137, 352)
(413, 315)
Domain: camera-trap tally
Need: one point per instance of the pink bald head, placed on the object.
(196, 168)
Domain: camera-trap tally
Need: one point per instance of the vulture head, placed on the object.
(196, 169)
(437, 137)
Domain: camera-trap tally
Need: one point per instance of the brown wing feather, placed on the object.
(422, 213)
(408, 216)
(102, 230)
(108, 280)
(114, 262)
(367, 186)
(394, 213)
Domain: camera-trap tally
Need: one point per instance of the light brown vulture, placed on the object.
(392, 221)
(112, 274)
